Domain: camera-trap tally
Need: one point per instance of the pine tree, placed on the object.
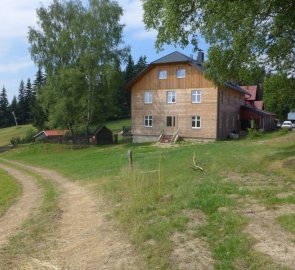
(4, 113)
(21, 111)
(39, 116)
(29, 100)
(124, 96)
(141, 64)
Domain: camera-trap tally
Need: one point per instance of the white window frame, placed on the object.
(162, 74)
(148, 120)
(171, 97)
(148, 97)
(196, 96)
(180, 73)
(195, 120)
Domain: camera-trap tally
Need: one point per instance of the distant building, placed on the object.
(53, 136)
(253, 111)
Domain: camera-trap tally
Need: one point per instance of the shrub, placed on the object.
(254, 133)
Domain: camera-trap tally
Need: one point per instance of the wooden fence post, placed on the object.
(130, 159)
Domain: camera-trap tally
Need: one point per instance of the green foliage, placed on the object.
(243, 35)
(80, 48)
(28, 138)
(253, 133)
(5, 115)
(279, 94)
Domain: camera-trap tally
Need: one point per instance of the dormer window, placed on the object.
(162, 74)
(180, 73)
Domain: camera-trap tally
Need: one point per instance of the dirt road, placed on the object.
(85, 238)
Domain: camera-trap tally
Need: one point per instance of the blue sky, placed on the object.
(17, 16)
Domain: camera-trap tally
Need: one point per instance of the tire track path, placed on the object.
(86, 238)
(11, 221)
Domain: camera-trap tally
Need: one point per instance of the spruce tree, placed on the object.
(21, 111)
(4, 113)
(39, 116)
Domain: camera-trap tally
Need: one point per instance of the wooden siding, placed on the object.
(229, 104)
(193, 79)
(183, 109)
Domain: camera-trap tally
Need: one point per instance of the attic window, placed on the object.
(162, 74)
(180, 73)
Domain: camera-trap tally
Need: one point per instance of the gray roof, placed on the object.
(173, 58)
(177, 57)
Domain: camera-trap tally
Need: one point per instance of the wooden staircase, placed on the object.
(165, 138)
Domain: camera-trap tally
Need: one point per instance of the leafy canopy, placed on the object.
(245, 36)
(79, 47)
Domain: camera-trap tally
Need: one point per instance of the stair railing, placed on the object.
(160, 134)
(175, 136)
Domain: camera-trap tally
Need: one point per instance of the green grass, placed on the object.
(151, 206)
(7, 133)
(9, 191)
(36, 230)
(287, 222)
(117, 125)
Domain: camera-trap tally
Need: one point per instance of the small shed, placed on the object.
(103, 135)
(53, 136)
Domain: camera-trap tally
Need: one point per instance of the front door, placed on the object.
(171, 124)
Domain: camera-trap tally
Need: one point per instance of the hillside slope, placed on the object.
(7, 133)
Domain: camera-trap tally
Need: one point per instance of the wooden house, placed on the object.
(172, 98)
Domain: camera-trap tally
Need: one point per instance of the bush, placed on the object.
(254, 133)
(15, 140)
(21, 140)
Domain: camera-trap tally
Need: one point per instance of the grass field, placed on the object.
(7, 133)
(154, 201)
(9, 191)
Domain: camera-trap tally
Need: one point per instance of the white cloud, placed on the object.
(15, 66)
(133, 14)
(143, 34)
(16, 17)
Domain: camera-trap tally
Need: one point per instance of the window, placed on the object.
(148, 97)
(171, 97)
(170, 121)
(148, 121)
(196, 121)
(180, 73)
(196, 96)
(162, 74)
